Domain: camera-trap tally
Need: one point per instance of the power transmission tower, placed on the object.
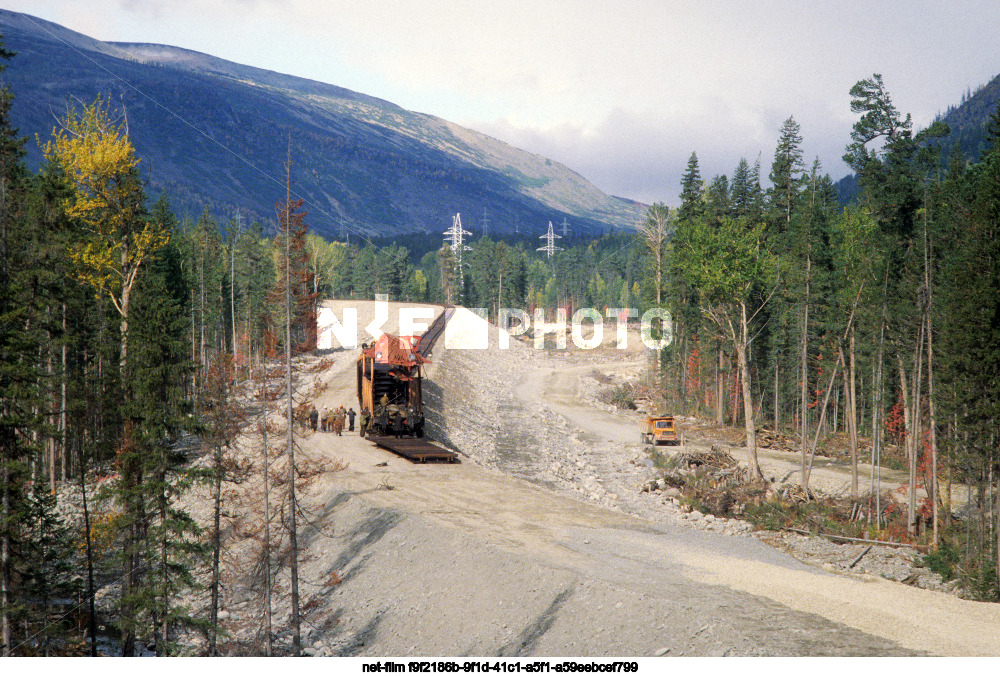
(565, 226)
(456, 236)
(550, 242)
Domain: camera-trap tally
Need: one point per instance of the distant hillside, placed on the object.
(968, 121)
(214, 134)
(968, 133)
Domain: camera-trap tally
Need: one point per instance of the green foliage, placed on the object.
(787, 172)
(943, 560)
(691, 188)
(724, 263)
(47, 576)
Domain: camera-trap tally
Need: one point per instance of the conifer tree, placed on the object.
(741, 190)
(159, 410)
(19, 373)
(691, 186)
(47, 574)
(786, 173)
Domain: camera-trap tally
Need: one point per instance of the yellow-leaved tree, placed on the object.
(94, 150)
(116, 237)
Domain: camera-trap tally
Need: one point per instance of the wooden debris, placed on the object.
(860, 556)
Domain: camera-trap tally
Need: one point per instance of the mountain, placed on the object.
(214, 134)
(968, 121)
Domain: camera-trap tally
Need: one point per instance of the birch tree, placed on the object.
(725, 264)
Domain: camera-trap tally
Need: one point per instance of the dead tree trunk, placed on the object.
(852, 418)
(292, 502)
(915, 440)
(804, 389)
(213, 647)
(720, 396)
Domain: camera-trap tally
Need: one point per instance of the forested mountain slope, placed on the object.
(968, 121)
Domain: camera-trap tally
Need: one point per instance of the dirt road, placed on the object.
(529, 546)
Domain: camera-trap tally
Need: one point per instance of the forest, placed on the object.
(127, 333)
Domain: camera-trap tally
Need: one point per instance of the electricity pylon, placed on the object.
(550, 242)
(456, 236)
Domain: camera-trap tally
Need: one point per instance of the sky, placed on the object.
(620, 91)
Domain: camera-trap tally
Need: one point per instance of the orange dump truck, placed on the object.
(659, 429)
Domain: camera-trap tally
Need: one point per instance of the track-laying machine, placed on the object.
(389, 387)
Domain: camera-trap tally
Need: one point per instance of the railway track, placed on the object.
(416, 450)
(434, 331)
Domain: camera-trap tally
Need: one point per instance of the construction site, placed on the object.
(551, 528)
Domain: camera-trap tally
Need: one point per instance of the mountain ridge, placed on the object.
(213, 134)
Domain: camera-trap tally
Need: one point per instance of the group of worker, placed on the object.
(332, 420)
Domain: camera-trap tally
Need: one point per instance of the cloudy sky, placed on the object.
(622, 91)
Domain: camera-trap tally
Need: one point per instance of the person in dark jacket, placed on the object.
(350, 418)
(313, 418)
(397, 425)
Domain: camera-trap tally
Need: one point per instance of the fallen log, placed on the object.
(860, 556)
(831, 536)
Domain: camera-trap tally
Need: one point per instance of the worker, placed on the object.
(313, 418)
(366, 417)
(325, 419)
(351, 413)
(397, 425)
(338, 421)
(384, 401)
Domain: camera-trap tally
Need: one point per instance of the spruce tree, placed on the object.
(19, 372)
(160, 411)
(786, 174)
(741, 194)
(691, 186)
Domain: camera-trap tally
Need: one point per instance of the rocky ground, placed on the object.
(543, 541)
